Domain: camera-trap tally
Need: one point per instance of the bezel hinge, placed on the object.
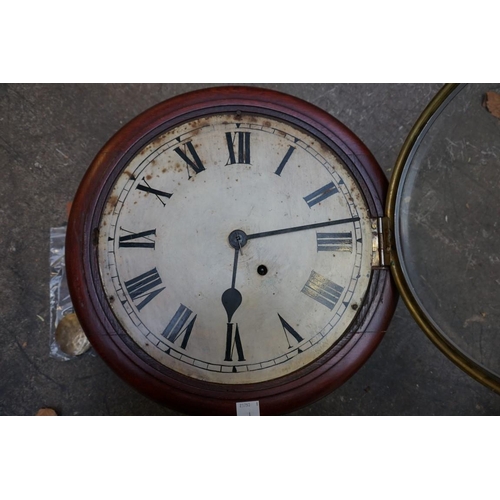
(382, 242)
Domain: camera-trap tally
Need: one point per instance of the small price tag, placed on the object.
(248, 409)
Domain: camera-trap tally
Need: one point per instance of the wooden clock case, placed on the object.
(184, 394)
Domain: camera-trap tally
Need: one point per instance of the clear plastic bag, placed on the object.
(60, 300)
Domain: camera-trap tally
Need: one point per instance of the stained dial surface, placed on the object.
(235, 248)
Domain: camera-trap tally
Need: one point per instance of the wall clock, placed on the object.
(231, 245)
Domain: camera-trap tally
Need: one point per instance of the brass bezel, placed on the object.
(458, 357)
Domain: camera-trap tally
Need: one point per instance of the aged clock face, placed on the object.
(235, 248)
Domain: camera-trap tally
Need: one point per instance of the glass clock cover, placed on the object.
(446, 210)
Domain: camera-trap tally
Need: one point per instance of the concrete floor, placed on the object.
(49, 134)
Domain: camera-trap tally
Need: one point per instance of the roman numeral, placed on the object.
(322, 290)
(321, 194)
(284, 161)
(233, 341)
(141, 290)
(136, 240)
(148, 189)
(178, 327)
(289, 331)
(239, 143)
(194, 161)
(334, 242)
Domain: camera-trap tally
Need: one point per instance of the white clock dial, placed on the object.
(262, 303)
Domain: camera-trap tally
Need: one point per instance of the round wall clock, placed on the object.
(230, 245)
(224, 247)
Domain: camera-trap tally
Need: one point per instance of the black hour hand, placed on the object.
(231, 300)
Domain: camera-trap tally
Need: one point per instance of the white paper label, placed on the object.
(248, 409)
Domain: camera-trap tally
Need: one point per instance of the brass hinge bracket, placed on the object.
(382, 242)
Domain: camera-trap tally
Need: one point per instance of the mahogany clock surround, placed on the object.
(106, 333)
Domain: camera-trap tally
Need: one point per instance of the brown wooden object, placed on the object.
(162, 384)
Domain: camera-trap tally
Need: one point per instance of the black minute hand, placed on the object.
(301, 228)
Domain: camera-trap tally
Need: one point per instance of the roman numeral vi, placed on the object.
(233, 340)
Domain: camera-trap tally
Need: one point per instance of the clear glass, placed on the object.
(448, 224)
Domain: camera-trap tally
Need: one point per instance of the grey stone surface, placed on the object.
(49, 134)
